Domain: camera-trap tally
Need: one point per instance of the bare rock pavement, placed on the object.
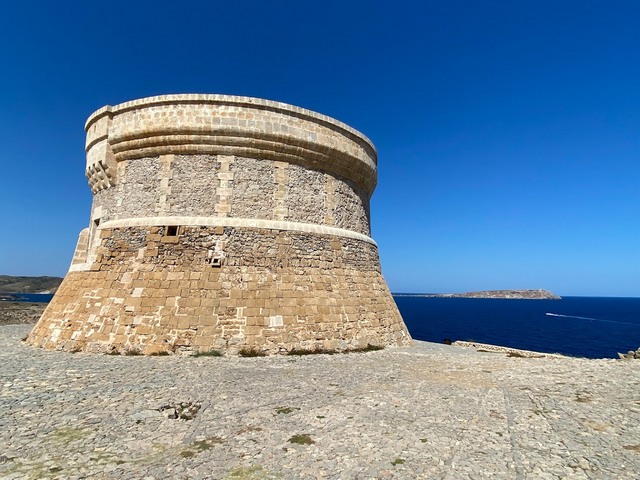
(427, 411)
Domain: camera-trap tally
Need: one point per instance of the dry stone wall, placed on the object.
(223, 223)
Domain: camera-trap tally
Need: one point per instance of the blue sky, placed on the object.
(508, 133)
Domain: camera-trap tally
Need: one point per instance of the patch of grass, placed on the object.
(187, 454)
(302, 439)
(323, 351)
(68, 435)
(286, 410)
(132, 352)
(320, 416)
(207, 443)
(163, 353)
(315, 351)
(249, 473)
(398, 461)
(424, 440)
(251, 352)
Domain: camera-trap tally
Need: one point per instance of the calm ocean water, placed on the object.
(32, 297)
(592, 327)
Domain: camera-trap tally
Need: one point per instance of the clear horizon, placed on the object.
(508, 135)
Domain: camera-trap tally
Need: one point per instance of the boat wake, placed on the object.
(573, 316)
(587, 318)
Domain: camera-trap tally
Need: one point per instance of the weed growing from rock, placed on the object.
(302, 439)
(250, 352)
(368, 348)
(286, 410)
(315, 351)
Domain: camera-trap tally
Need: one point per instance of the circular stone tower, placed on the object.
(223, 223)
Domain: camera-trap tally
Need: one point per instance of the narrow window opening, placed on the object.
(172, 231)
(216, 262)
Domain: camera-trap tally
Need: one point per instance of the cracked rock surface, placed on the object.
(427, 411)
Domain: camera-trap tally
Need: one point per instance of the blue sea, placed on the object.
(592, 327)
(31, 297)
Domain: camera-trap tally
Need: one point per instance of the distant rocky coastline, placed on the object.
(539, 294)
(10, 285)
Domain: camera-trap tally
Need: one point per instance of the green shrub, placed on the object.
(250, 352)
(302, 439)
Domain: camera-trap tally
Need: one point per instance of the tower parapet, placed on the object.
(223, 222)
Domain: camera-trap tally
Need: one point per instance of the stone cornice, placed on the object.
(229, 125)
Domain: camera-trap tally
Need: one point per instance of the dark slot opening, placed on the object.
(172, 230)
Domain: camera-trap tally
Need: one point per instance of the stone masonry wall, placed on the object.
(224, 223)
(254, 187)
(351, 209)
(306, 195)
(276, 291)
(196, 185)
(192, 181)
(140, 187)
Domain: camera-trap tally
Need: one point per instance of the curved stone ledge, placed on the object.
(228, 100)
(238, 223)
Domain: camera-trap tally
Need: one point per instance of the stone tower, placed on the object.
(226, 223)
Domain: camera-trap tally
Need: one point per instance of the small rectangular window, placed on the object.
(172, 231)
(216, 262)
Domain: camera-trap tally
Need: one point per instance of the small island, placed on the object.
(539, 294)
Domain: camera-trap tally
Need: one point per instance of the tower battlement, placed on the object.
(227, 223)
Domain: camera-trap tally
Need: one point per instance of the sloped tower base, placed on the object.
(283, 291)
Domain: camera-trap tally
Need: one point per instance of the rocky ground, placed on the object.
(429, 412)
(20, 312)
